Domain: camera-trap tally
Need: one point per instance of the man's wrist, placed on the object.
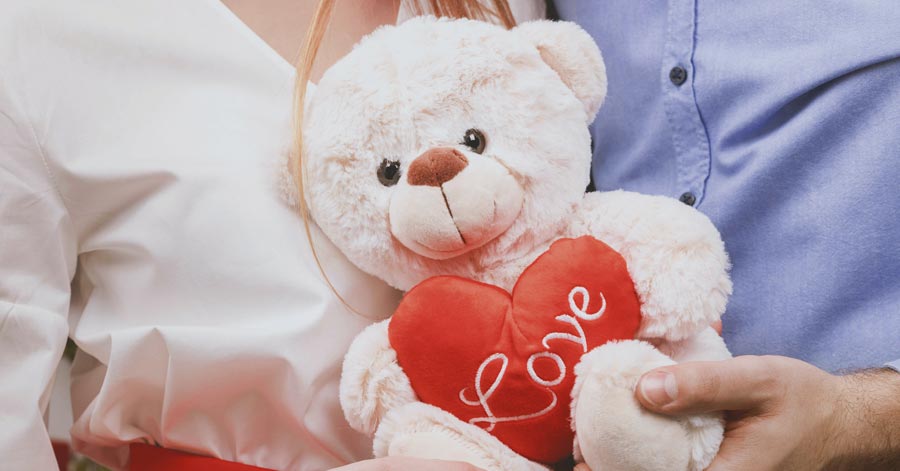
(866, 430)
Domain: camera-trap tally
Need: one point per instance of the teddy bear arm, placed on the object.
(372, 382)
(675, 257)
(613, 431)
(707, 345)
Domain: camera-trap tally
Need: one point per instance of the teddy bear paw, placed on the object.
(423, 431)
(613, 431)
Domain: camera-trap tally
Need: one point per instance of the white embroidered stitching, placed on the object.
(581, 339)
(543, 382)
(483, 396)
(495, 420)
(585, 300)
(580, 312)
(565, 318)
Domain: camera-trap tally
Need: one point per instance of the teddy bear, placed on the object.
(450, 159)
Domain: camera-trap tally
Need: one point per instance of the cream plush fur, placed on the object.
(531, 91)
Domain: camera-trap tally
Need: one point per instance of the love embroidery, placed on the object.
(482, 396)
(504, 361)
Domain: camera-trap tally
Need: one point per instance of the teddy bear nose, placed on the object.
(436, 166)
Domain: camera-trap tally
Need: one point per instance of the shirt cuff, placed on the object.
(894, 365)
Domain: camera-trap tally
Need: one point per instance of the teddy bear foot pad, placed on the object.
(423, 431)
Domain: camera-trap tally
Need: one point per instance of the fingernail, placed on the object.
(659, 388)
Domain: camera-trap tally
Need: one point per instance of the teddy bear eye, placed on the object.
(475, 140)
(389, 172)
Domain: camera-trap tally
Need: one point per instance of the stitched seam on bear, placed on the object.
(447, 203)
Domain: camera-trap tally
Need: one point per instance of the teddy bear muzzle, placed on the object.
(452, 202)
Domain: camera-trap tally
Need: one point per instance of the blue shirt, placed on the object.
(785, 131)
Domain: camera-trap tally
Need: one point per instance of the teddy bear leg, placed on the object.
(613, 431)
(423, 431)
(707, 345)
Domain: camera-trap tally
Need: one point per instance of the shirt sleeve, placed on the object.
(894, 365)
(37, 261)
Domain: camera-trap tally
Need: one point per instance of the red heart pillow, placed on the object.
(505, 363)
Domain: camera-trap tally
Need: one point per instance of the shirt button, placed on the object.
(678, 75)
(688, 198)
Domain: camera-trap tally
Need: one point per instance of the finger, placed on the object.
(400, 463)
(741, 452)
(717, 326)
(742, 383)
(581, 467)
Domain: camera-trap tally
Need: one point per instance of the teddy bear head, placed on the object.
(444, 146)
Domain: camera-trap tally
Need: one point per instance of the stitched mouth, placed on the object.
(450, 211)
(462, 238)
(484, 212)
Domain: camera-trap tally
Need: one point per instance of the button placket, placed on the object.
(689, 138)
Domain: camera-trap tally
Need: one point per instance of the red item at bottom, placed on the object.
(63, 454)
(154, 458)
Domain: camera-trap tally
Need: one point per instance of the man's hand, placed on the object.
(399, 463)
(784, 414)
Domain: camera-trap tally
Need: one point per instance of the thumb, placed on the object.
(741, 383)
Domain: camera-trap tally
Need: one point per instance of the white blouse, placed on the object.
(141, 214)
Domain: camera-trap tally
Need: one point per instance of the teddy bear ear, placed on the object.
(572, 53)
